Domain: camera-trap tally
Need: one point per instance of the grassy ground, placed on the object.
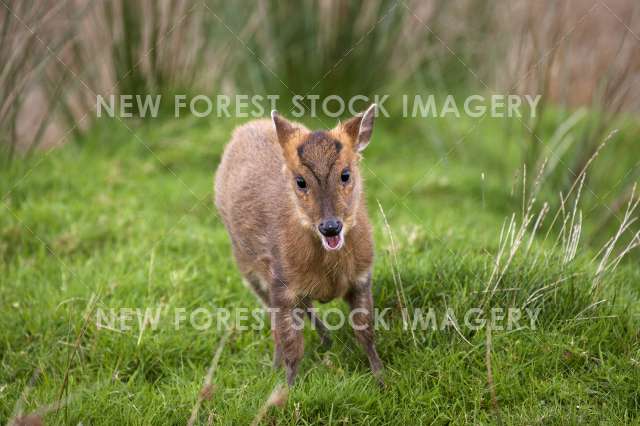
(124, 221)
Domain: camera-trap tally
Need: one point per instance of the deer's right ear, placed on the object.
(285, 132)
(284, 129)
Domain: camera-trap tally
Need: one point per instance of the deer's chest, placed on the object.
(325, 281)
(326, 287)
(322, 275)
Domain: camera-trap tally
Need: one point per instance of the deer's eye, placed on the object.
(345, 175)
(301, 182)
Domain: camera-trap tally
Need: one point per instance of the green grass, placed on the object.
(132, 225)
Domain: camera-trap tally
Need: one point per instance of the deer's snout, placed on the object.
(330, 227)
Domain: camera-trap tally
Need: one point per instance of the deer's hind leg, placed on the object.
(318, 325)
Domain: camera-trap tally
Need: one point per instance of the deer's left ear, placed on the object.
(360, 127)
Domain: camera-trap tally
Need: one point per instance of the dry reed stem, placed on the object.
(17, 410)
(395, 272)
(490, 381)
(207, 389)
(85, 324)
(277, 398)
(605, 265)
(36, 416)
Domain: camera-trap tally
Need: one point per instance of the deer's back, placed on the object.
(250, 189)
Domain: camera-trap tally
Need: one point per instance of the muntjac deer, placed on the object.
(292, 202)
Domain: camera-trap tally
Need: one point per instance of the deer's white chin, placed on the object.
(333, 243)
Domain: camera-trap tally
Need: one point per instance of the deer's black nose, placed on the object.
(330, 227)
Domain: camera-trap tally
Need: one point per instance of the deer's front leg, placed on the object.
(360, 301)
(288, 322)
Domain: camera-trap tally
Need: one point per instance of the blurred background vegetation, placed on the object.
(582, 56)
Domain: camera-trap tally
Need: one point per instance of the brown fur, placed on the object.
(272, 223)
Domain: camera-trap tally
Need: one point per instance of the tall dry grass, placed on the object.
(578, 53)
(84, 48)
(574, 53)
(564, 235)
(57, 56)
(25, 105)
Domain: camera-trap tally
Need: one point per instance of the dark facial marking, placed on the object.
(319, 153)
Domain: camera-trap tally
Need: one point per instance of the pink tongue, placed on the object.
(333, 241)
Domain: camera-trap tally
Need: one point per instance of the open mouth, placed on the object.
(333, 242)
